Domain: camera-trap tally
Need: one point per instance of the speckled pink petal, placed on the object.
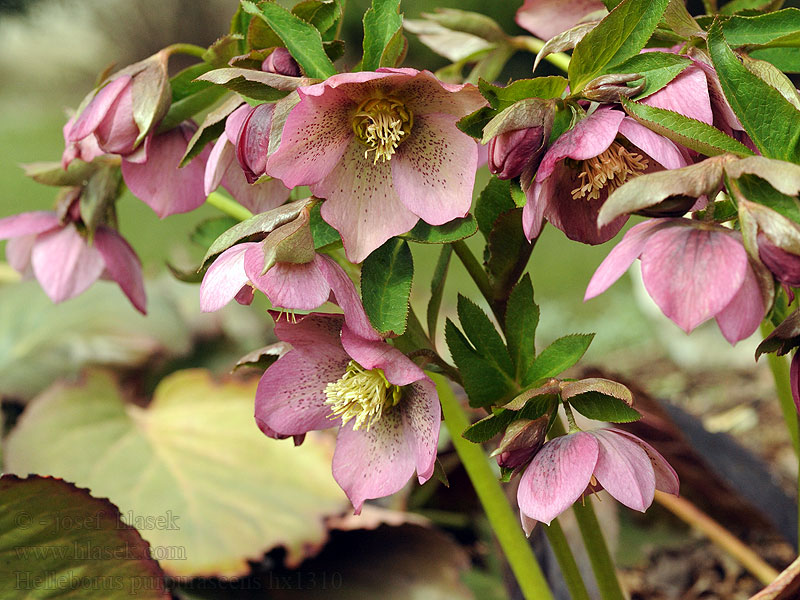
(224, 278)
(621, 257)
(347, 298)
(657, 147)
(557, 476)
(666, 478)
(422, 418)
(370, 354)
(122, 265)
(64, 265)
(687, 94)
(546, 18)
(290, 398)
(316, 334)
(742, 316)
(372, 463)
(434, 169)
(624, 470)
(424, 94)
(96, 110)
(315, 137)
(219, 160)
(159, 182)
(361, 203)
(28, 224)
(692, 273)
(590, 137)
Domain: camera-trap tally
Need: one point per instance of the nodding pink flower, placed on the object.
(693, 271)
(64, 263)
(785, 266)
(384, 151)
(385, 407)
(252, 141)
(281, 62)
(158, 180)
(547, 18)
(570, 466)
(512, 151)
(85, 149)
(221, 168)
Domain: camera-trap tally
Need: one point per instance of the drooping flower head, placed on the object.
(386, 408)
(383, 149)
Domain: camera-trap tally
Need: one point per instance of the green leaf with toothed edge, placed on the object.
(382, 25)
(484, 335)
(602, 407)
(522, 319)
(558, 356)
(386, 277)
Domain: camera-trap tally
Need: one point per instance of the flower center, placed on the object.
(361, 395)
(610, 169)
(382, 124)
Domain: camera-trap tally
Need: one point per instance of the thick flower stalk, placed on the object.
(384, 151)
(385, 407)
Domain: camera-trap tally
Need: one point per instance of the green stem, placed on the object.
(228, 206)
(569, 568)
(478, 275)
(602, 564)
(190, 49)
(535, 45)
(504, 522)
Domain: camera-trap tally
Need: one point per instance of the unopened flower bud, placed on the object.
(253, 141)
(784, 265)
(511, 151)
(610, 88)
(282, 63)
(521, 442)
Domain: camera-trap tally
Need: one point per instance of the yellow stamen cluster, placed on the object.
(382, 124)
(360, 394)
(610, 169)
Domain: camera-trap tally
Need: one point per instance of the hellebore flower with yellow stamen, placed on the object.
(386, 408)
(384, 151)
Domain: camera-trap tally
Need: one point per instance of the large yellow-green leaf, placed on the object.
(192, 471)
(57, 541)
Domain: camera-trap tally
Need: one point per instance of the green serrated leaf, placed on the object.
(474, 123)
(301, 39)
(489, 427)
(620, 35)
(321, 14)
(771, 121)
(494, 200)
(324, 235)
(437, 289)
(558, 356)
(382, 21)
(522, 319)
(483, 335)
(785, 59)
(691, 133)
(657, 68)
(756, 189)
(183, 84)
(188, 107)
(601, 407)
(508, 250)
(735, 6)
(484, 383)
(457, 229)
(240, 23)
(501, 98)
(386, 277)
(775, 29)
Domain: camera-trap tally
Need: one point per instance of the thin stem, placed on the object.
(688, 512)
(535, 45)
(569, 568)
(190, 49)
(504, 522)
(228, 206)
(478, 275)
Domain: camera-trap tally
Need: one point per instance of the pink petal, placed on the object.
(624, 470)
(290, 398)
(346, 296)
(657, 147)
(85, 149)
(361, 203)
(742, 316)
(117, 131)
(533, 212)
(159, 182)
(18, 253)
(434, 169)
(252, 140)
(621, 257)
(398, 368)
(255, 197)
(557, 476)
(224, 278)
(316, 334)
(97, 109)
(64, 265)
(666, 478)
(692, 273)
(687, 94)
(234, 122)
(27, 224)
(590, 137)
(316, 135)
(219, 160)
(424, 94)
(122, 265)
(374, 462)
(288, 285)
(422, 418)
(547, 18)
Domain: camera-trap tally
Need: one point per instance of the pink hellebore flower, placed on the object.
(221, 168)
(694, 271)
(85, 149)
(386, 408)
(384, 150)
(64, 264)
(547, 18)
(569, 466)
(159, 182)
